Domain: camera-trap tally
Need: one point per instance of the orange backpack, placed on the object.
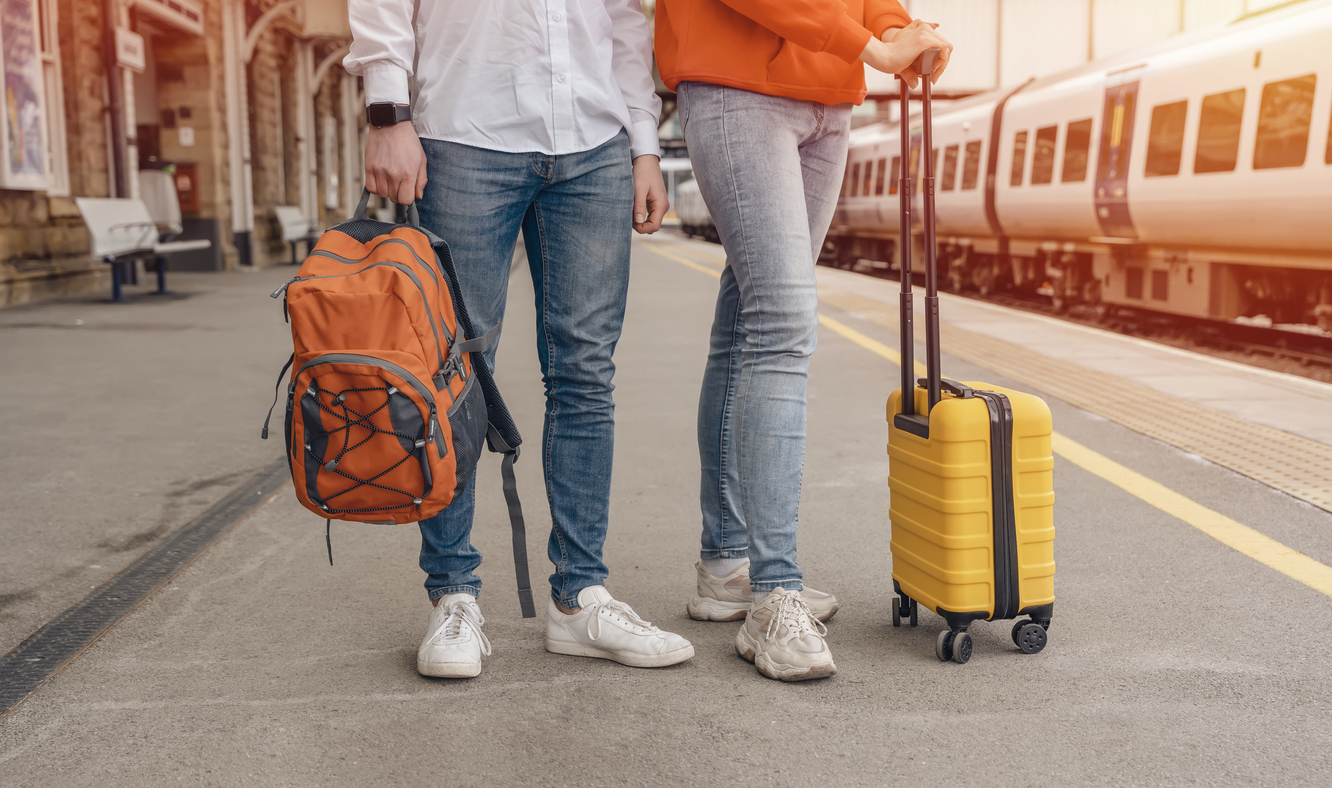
(390, 399)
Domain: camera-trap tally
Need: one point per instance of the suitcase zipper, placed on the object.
(1006, 591)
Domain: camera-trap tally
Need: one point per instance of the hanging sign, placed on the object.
(129, 50)
(23, 143)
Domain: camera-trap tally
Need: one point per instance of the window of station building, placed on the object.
(949, 179)
(1165, 141)
(1077, 143)
(1284, 115)
(971, 165)
(1160, 285)
(1019, 158)
(895, 176)
(869, 177)
(855, 179)
(1219, 132)
(878, 176)
(1042, 162)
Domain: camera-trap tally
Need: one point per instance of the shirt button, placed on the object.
(559, 77)
(556, 17)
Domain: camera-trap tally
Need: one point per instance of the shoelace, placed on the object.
(460, 612)
(616, 608)
(797, 617)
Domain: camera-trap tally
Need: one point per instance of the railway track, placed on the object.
(1295, 352)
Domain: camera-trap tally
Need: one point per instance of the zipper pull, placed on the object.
(278, 292)
(434, 420)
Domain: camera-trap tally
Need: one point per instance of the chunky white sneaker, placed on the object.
(728, 598)
(609, 629)
(454, 641)
(784, 640)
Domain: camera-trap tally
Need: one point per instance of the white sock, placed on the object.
(721, 567)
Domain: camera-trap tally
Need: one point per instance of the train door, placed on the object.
(1112, 210)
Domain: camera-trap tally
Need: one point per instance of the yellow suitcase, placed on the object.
(971, 474)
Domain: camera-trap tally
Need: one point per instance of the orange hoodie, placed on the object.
(801, 49)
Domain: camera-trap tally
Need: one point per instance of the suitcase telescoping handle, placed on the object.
(925, 67)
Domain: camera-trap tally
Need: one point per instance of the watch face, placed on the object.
(383, 114)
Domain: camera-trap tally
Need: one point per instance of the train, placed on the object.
(1191, 178)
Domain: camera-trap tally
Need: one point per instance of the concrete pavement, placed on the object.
(1173, 659)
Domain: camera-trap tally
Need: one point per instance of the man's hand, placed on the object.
(395, 163)
(650, 202)
(899, 48)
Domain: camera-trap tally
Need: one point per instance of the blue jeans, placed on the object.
(769, 169)
(575, 211)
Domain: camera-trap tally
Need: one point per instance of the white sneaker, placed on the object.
(609, 629)
(454, 641)
(728, 598)
(784, 640)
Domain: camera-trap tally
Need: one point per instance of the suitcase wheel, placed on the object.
(1029, 636)
(952, 645)
(900, 610)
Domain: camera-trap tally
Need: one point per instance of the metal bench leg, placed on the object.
(293, 252)
(117, 296)
(161, 276)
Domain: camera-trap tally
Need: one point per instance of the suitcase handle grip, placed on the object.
(925, 64)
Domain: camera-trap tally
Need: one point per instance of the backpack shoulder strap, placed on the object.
(515, 520)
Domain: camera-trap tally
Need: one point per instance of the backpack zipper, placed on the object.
(439, 347)
(427, 266)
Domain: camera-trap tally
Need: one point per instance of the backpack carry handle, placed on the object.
(403, 214)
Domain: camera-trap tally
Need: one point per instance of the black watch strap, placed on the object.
(386, 113)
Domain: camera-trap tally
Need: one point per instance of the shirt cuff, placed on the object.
(848, 40)
(385, 82)
(643, 140)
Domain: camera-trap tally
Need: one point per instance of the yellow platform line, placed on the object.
(1263, 549)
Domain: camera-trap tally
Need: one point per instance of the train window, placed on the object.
(895, 176)
(1076, 145)
(1019, 158)
(855, 179)
(934, 162)
(1133, 282)
(1219, 132)
(1284, 115)
(950, 168)
(971, 165)
(1165, 142)
(846, 180)
(915, 160)
(878, 176)
(1042, 162)
(869, 177)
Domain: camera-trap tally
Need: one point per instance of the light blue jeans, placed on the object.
(769, 169)
(575, 211)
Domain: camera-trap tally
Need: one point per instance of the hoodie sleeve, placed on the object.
(816, 25)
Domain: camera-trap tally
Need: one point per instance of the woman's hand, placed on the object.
(899, 49)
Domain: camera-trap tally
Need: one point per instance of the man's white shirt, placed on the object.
(546, 76)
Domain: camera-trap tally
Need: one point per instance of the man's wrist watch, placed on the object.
(386, 113)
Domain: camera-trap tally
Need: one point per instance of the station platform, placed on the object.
(1189, 643)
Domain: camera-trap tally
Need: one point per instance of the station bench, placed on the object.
(295, 226)
(124, 232)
